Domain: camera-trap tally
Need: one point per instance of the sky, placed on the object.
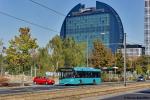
(131, 13)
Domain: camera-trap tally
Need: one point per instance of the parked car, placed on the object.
(140, 78)
(43, 80)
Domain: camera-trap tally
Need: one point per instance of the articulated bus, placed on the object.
(79, 75)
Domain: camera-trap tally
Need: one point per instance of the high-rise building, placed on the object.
(147, 27)
(94, 23)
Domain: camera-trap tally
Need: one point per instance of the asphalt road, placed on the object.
(38, 88)
(139, 95)
(34, 88)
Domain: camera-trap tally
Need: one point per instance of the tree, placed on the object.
(43, 61)
(56, 52)
(1, 43)
(110, 58)
(143, 61)
(19, 51)
(1, 56)
(148, 69)
(1, 50)
(119, 60)
(139, 70)
(65, 53)
(101, 57)
(73, 53)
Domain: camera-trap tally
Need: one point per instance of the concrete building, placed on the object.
(147, 27)
(133, 51)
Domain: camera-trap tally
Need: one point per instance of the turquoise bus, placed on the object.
(79, 75)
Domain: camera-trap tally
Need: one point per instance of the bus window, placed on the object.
(96, 74)
(87, 74)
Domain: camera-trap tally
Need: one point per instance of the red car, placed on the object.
(43, 80)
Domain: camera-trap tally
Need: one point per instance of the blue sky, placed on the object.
(130, 11)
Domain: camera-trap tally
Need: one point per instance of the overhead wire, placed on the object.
(44, 6)
(26, 21)
(29, 22)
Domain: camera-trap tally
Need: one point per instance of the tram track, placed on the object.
(76, 93)
(102, 91)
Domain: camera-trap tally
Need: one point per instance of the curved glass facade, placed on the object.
(89, 24)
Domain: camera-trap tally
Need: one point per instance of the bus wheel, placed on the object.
(80, 82)
(94, 82)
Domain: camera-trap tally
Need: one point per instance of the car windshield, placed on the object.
(141, 77)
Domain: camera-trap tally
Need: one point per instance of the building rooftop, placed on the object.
(132, 46)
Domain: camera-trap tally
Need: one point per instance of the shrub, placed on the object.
(3, 81)
(105, 77)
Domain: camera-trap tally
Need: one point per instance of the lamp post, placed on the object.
(1, 64)
(124, 59)
(87, 56)
(23, 72)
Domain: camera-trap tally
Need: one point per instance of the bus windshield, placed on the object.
(67, 75)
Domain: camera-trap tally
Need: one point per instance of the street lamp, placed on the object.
(87, 56)
(124, 59)
(102, 36)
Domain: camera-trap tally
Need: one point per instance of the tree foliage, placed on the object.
(1, 56)
(1, 47)
(119, 60)
(73, 53)
(139, 70)
(1, 43)
(19, 50)
(143, 60)
(55, 47)
(65, 53)
(101, 56)
(42, 61)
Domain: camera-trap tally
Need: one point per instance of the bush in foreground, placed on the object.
(3, 81)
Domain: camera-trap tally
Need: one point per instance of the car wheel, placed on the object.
(35, 83)
(46, 83)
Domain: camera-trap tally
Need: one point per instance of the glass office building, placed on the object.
(147, 27)
(94, 23)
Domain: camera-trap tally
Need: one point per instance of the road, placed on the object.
(38, 88)
(138, 95)
(34, 88)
